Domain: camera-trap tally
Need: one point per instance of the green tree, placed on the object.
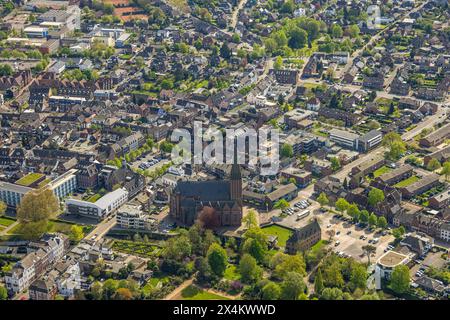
(353, 31)
(287, 7)
(446, 170)
(332, 294)
(341, 205)
(281, 204)
(433, 165)
(318, 282)
(364, 216)
(217, 259)
(353, 211)
(225, 51)
(3, 293)
(2, 207)
(396, 147)
(6, 70)
(358, 276)
(382, 222)
(248, 268)
(336, 31)
(177, 248)
(38, 205)
(287, 151)
(251, 219)
(322, 199)
(278, 64)
(373, 220)
(298, 38)
(292, 286)
(76, 233)
(335, 163)
(375, 196)
(271, 291)
(400, 280)
(368, 251)
(289, 263)
(235, 38)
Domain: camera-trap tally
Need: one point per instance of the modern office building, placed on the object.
(369, 141)
(345, 138)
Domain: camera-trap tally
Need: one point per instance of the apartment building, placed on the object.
(436, 137)
(132, 217)
(396, 175)
(420, 186)
(100, 208)
(44, 253)
(369, 140)
(344, 138)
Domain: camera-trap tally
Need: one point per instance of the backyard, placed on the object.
(381, 171)
(142, 249)
(407, 182)
(193, 292)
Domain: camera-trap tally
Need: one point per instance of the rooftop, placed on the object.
(392, 259)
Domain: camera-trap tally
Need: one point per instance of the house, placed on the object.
(313, 104)
(368, 166)
(386, 264)
(440, 155)
(349, 118)
(440, 201)
(436, 137)
(419, 243)
(43, 290)
(374, 82)
(304, 238)
(420, 186)
(431, 285)
(302, 177)
(401, 173)
(289, 77)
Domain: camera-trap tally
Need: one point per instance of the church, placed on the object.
(189, 198)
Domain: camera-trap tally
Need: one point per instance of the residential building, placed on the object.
(304, 238)
(418, 187)
(392, 177)
(436, 137)
(344, 138)
(369, 140)
(132, 217)
(100, 208)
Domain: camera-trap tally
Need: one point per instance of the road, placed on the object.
(7, 229)
(102, 228)
(235, 15)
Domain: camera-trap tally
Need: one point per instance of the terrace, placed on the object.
(29, 179)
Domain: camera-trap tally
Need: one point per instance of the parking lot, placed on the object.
(145, 163)
(348, 237)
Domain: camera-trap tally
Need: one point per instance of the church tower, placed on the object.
(236, 181)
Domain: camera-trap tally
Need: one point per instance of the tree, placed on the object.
(287, 151)
(2, 207)
(332, 294)
(249, 269)
(396, 147)
(368, 250)
(318, 282)
(382, 222)
(289, 263)
(292, 286)
(353, 211)
(341, 205)
(217, 259)
(400, 279)
(353, 31)
(322, 199)
(3, 293)
(6, 70)
(358, 276)
(446, 170)
(38, 205)
(373, 219)
(398, 232)
(287, 7)
(278, 64)
(235, 38)
(375, 196)
(336, 31)
(281, 204)
(298, 38)
(208, 217)
(433, 164)
(335, 163)
(250, 220)
(225, 51)
(177, 248)
(123, 294)
(364, 216)
(76, 233)
(271, 291)
(31, 230)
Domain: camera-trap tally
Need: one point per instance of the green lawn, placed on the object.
(407, 182)
(231, 273)
(29, 179)
(195, 293)
(282, 233)
(52, 226)
(143, 249)
(4, 221)
(381, 171)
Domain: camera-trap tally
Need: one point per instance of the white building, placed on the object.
(386, 264)
(99, 209)
(344, 138)
(445, 232)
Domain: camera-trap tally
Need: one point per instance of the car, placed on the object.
(329, 226)
(361, 237)
(349, 232)
(296, 210)
(338, 232)
(337, 243)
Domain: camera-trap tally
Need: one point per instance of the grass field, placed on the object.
(195, 293)
(6, 222)
(381, 171)
(407, 182)
(282, 233)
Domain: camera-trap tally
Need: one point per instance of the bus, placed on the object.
(303, 214)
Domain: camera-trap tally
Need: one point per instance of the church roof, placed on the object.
(213, 190)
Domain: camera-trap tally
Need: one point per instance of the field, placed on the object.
(195, 293)
(407, 182)
(283, 234)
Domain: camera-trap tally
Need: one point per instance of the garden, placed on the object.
(282, 233)
(142, 249)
